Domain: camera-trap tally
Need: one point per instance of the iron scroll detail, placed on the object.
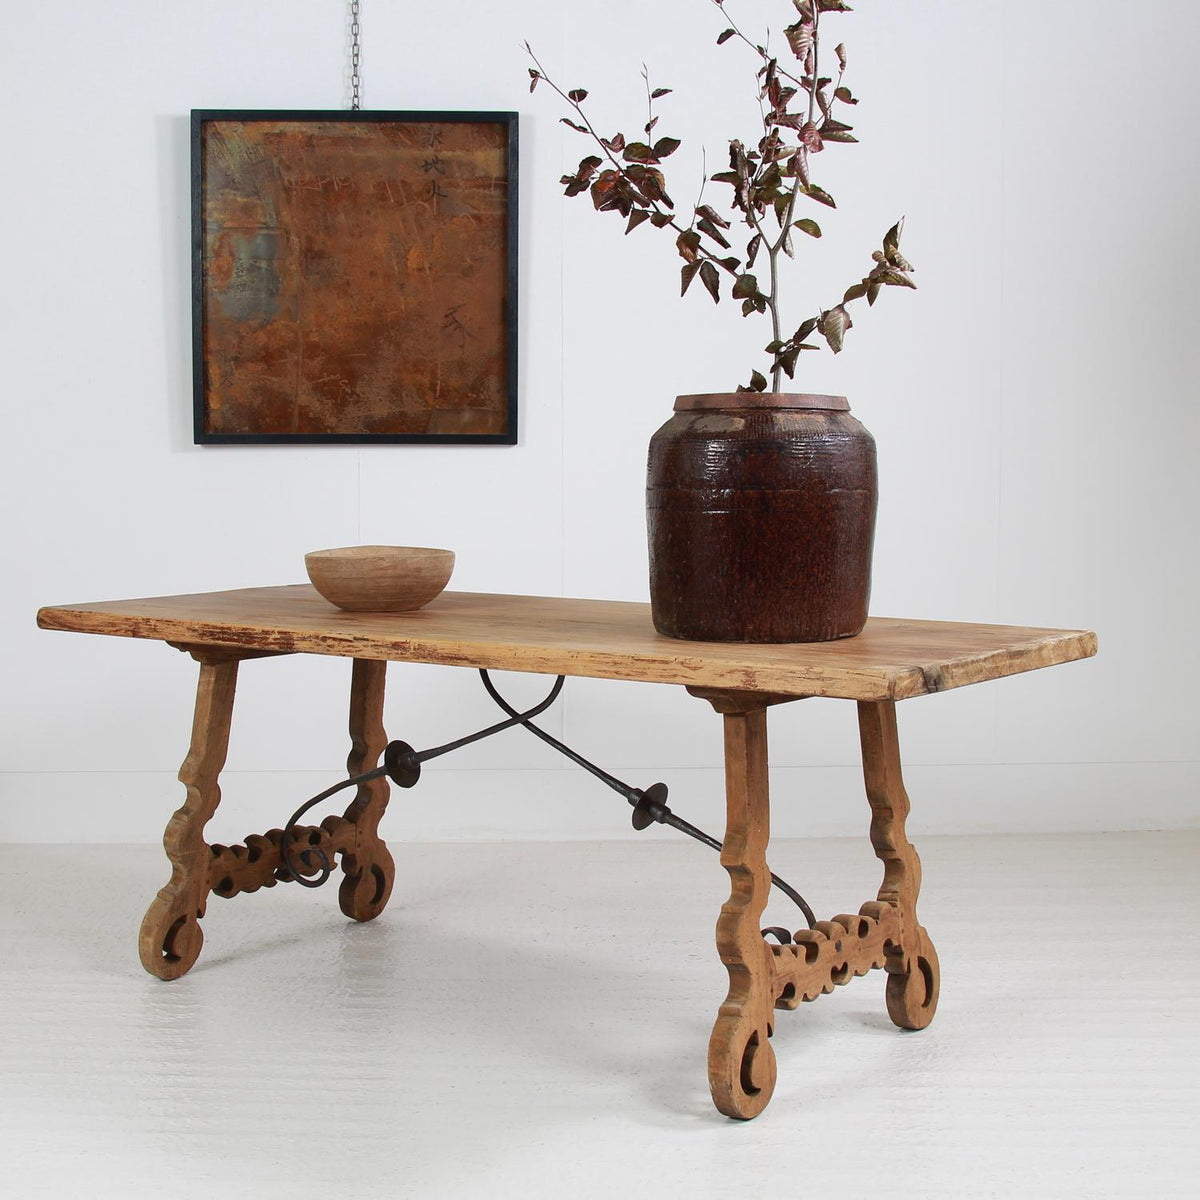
(402, 765)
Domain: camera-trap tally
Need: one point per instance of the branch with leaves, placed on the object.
(769, 179)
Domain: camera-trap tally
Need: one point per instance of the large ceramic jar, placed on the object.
(760, 510)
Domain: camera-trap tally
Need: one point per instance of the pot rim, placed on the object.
(734, 400)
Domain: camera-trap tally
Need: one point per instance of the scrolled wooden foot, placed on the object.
(741, 1066)
(912, 989)
(169, 945)
(369, 868)
(364, 894)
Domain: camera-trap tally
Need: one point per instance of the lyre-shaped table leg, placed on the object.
(741, 1062)
(913, 975)
(171, 938)
(369, 869)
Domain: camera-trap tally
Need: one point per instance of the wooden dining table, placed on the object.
(890, 661)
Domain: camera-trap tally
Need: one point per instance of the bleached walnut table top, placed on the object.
(892, 659)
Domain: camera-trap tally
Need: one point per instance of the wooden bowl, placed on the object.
(379, 578)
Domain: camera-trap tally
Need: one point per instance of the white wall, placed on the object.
(1034, 405)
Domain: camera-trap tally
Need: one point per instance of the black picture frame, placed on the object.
(216, 419)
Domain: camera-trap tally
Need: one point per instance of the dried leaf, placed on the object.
(800, 38)
(787, 360)
(636, 218)
(660, 219)
(706, 226)
(534, 78)
(577, 95)
(854, 292)
(688, 245)
(639, 152)
(660, 92)
(845, 96)
(820, 195)
(710, 279)
(706, 210)
(805, 329)
(745, 286)
(837, 131)
(616, 143)
(722, 38)
(840, 51)
(649, 126)
(809, 226)
(666, 146)
(604, 190)
(573, 124)
(758, 382)
(873, 292)
(688, 274)
(833, 326)
(810, 137)
(752, 249)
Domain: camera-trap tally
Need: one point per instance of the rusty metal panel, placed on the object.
(354, 276)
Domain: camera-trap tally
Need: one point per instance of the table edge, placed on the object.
(1054, 648)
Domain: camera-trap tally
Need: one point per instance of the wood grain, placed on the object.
(914, 977)
(741, 1062)
(891, 659)
(171, 938)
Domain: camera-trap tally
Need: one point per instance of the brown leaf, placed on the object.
(800, 38)
(745, 286)
(722, 38)
(660, 92)
(706, 210)
(688, 274)
(710, 279)
(636, 218)
(820, 195)
(752, 249)
(833, 326)
(577, 95)
(639, 152)
(810, 136)
(688, 245)
(666, 146)
(706, 226)
(809, 226)
(573, 124)
(840, 51)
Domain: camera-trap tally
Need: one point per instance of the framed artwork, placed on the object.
(354, 277)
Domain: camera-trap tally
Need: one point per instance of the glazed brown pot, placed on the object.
(760, 509)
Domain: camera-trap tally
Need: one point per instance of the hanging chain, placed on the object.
(355, 49)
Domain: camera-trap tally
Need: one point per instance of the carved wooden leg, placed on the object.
(741, 1062)
(369, 869)
(171, 938)
(913, 976)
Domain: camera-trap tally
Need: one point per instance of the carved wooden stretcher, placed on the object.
(891, 660)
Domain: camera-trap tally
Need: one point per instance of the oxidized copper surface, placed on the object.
(355, 277)
(761, 522)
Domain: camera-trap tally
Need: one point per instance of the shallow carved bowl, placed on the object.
(380, 578)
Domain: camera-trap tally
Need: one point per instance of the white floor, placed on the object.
(531, 1020)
